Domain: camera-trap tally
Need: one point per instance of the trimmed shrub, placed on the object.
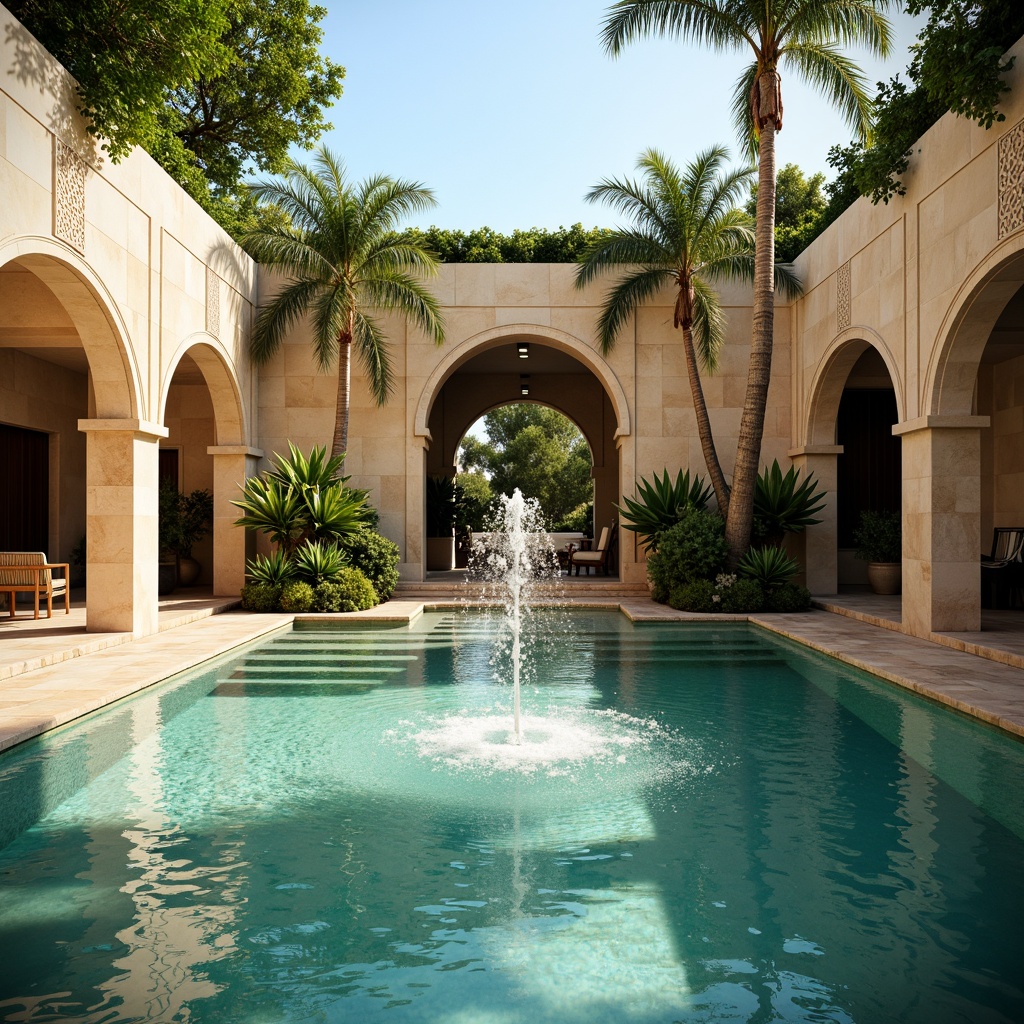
(694, 549)
(377, 558)
(741, 597)
(694, 596)
(261, 597)
(296, 597)
(351, 592)
(790, 597)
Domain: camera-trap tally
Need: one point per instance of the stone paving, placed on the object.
(52, 673)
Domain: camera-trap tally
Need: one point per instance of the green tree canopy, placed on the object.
(213, 89)
(800, 204)
(484, 245)
(957, 65)
(536, 449)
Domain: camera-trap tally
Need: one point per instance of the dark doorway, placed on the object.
(169, 461)
(25, 494)
(869, 470)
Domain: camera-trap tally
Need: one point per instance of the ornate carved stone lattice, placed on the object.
(1011, 181)
(212, 303)
(68, 195)
(843, 297)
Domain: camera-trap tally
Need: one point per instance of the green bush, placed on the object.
(261, 597)
(579, 520)
(693, 596)
(742, 597)
(377, 558)
(790, 597)
(351, 592)
(296, 597)
(693, 549)
(878, 537)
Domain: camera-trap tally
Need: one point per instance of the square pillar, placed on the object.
(941, 523)
(232, 465)
(122, 459)
(821, 541)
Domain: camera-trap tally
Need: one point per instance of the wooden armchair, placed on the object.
(1002, 571)
(29, 572)
(598, 557)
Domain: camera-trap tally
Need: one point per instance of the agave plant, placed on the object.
(303, 499)
(319, 562)
(661, 504)
(769, 566)
(782, 505)
(276, 568)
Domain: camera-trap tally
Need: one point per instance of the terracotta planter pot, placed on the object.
(188, 572)
(440, 553)
(885, 577)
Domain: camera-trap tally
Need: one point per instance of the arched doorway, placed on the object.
(205, 450)
(69, 374)
(491, 370)
(856, 399)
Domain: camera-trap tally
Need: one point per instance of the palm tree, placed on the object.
(808, 35)
(688, 230)
(344, 258)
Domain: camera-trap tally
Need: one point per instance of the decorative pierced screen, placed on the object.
(1011, 181)
(68, 196)
(843, 297)
(212, 303)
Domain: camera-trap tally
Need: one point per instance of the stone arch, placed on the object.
(113, 370)
(225, 393)
(966, 327)
(495, 336)
(830, 378)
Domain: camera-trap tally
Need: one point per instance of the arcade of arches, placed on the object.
(898, 377)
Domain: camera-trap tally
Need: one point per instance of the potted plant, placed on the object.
(168, 536)
(442, 509)
(879, 543)
(195, 517)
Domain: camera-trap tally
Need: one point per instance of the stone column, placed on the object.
(233, 464)
(821, 541)
(941, 523)
(121, 475)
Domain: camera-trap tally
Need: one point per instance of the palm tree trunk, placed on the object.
(748, 446)
(340, 444)
(707, 438)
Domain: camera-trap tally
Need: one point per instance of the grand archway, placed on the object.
(491, 370)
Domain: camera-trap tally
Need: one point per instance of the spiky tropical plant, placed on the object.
(319, 562)
(686, 230)
(783, 505)
(661, 503)
(345, 259)
(807, 35)
(771, 567)
(275, 569)
(302, 499)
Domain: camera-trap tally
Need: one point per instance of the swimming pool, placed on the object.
(723, 826)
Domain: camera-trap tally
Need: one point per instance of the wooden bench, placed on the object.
(29, 572)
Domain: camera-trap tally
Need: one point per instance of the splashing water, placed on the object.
(512, 558)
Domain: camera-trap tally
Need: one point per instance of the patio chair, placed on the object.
(29, 572)
(598, 557)
(1002, 571)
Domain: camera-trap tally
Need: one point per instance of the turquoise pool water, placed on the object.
(326, 829)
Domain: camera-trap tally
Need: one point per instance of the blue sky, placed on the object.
(511, 112)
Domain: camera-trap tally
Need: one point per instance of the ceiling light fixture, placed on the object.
(524, 384)
(524, 349)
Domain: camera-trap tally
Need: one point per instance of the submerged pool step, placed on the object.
(291, 688)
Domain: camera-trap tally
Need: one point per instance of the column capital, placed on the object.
(815, 449)
(143, 428)
(941, 423)
(234, 449)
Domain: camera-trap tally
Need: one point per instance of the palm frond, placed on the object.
(623, 298)
(708, 325)
(330, 314)
(275, 319)
(371, 347)
(398, 291)
(621, 248)
(711, 23)
(838, 77)
(787, 281)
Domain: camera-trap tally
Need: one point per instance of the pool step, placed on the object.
(567, 590)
